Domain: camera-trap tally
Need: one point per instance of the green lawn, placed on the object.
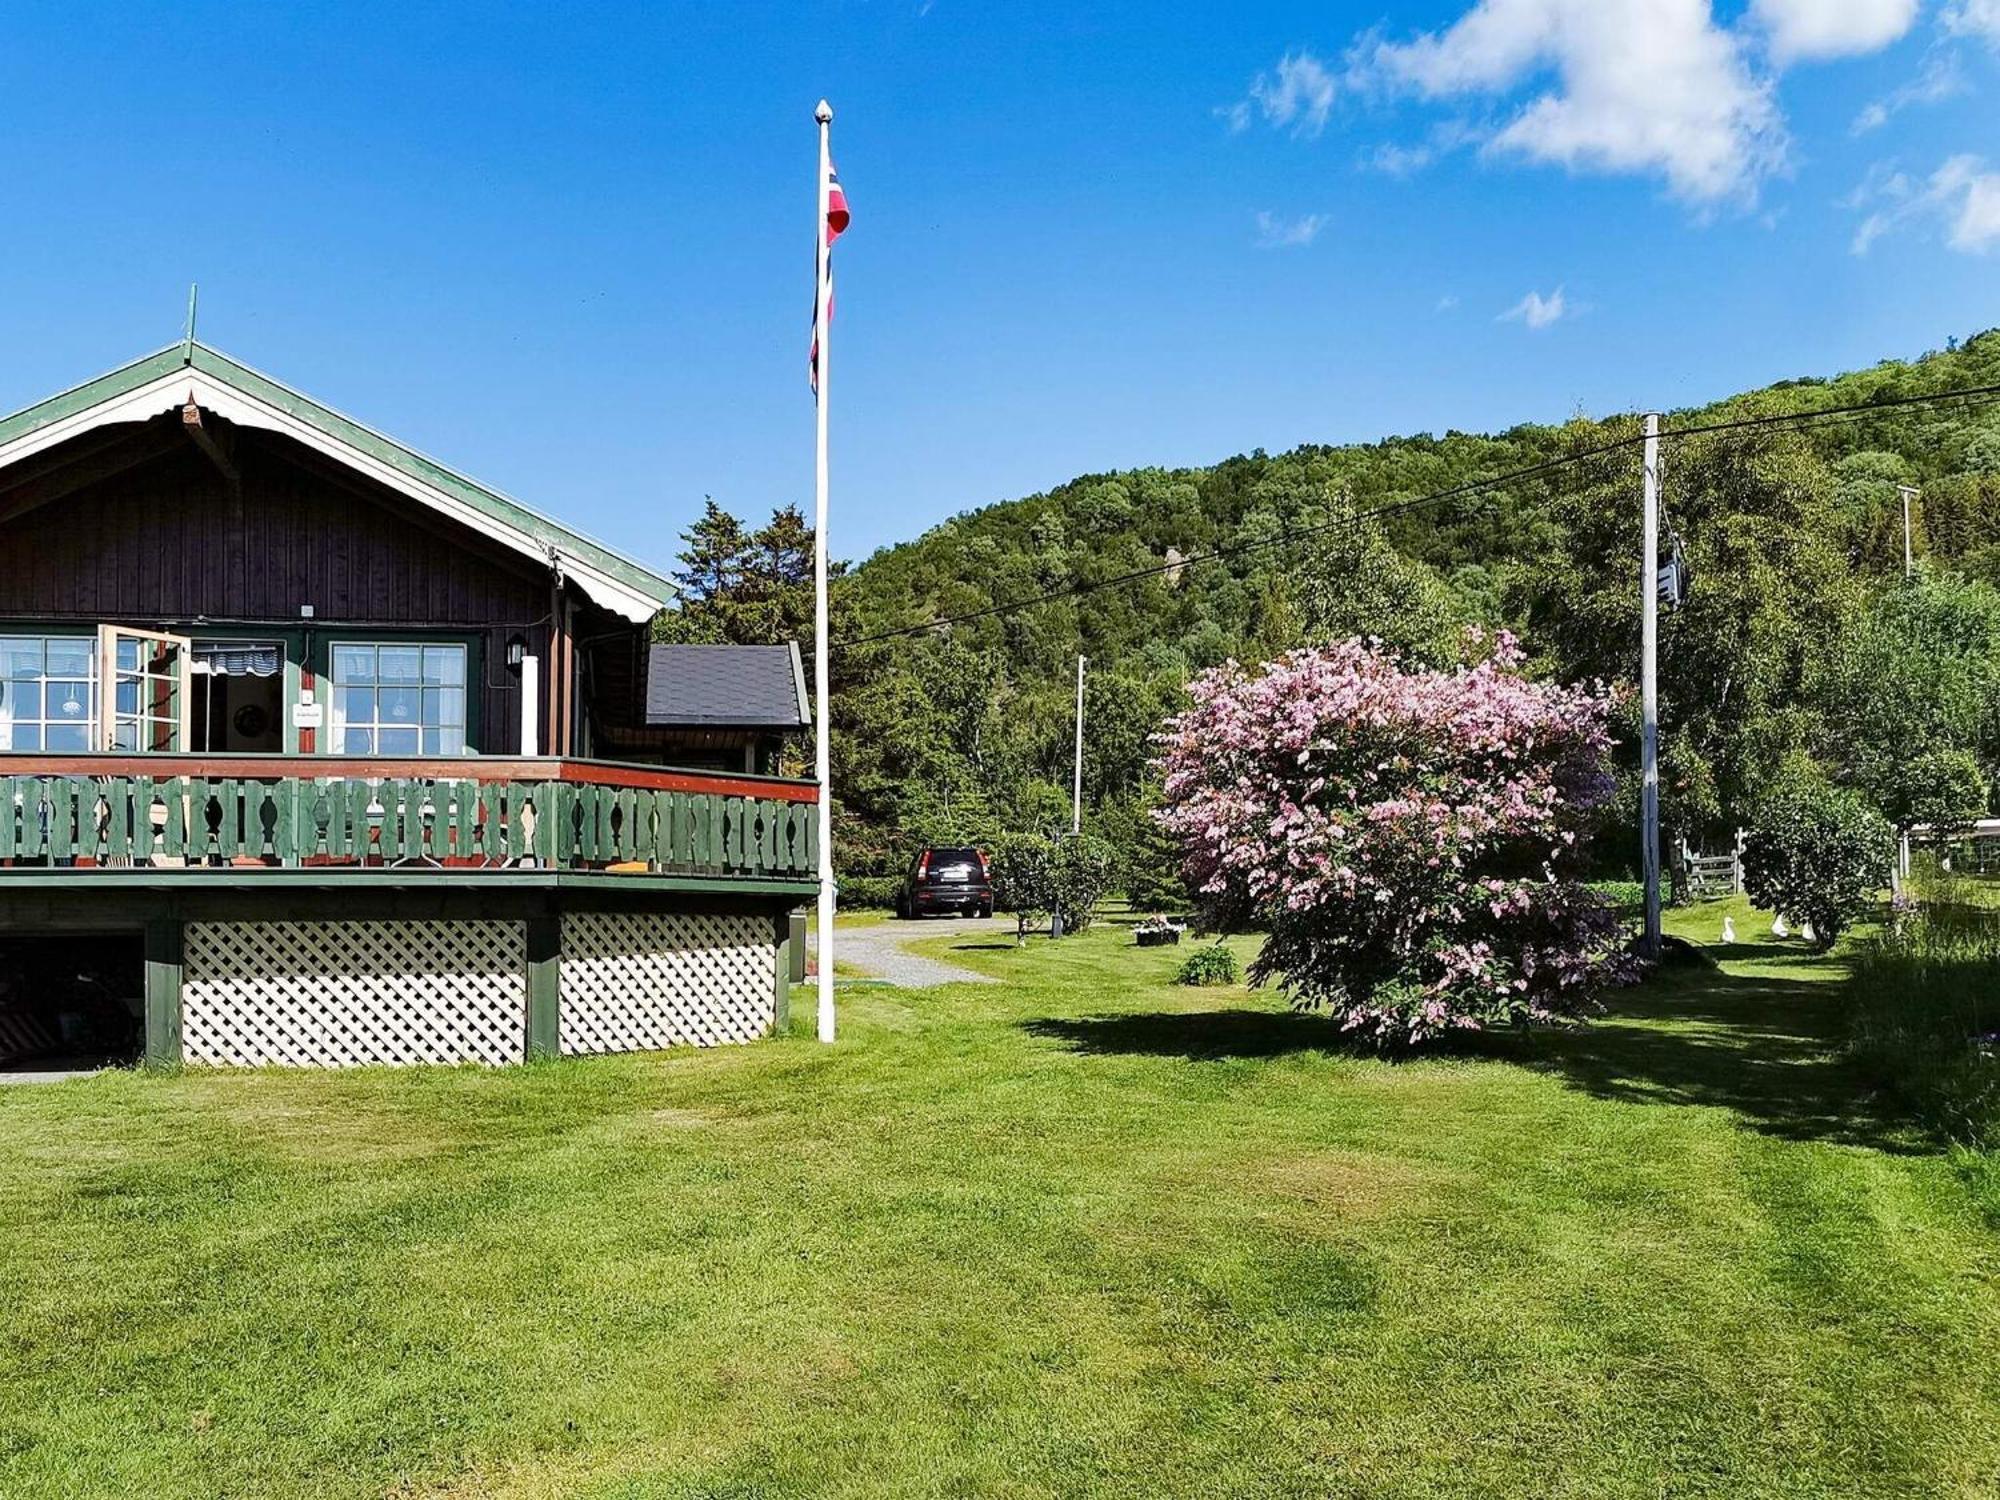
(1085, 1232)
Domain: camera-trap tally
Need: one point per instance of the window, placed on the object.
(398, 699)
(48, 692)
(147, 704)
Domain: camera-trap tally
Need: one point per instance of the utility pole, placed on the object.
(1649, 696)
(1076, 794)
(1908, 493)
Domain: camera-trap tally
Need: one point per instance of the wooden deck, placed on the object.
(166, 820)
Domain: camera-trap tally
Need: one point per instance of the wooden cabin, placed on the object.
(314, 751)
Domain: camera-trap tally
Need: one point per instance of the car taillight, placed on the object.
(923, 864)
(985, 867)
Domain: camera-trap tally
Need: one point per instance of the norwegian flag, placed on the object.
(835, 226)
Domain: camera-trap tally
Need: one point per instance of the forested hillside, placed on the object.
(1798, 644)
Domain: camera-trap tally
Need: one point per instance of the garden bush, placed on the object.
(1033, 876)
(1214, 964)
(1817, 853)
(1410, 835)
(865, 892)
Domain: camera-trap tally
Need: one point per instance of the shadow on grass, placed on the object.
(1765, 1047)
(1201, 1035)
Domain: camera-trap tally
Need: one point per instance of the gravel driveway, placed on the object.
(878, 950)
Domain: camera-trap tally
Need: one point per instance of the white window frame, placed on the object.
(87, 721)
(339, 725)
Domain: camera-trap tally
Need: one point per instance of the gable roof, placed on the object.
(169, 378)
(760, 687)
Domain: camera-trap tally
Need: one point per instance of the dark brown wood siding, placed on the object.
(168, 540)
(168, 543)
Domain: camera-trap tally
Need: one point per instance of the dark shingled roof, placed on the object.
(739, 686)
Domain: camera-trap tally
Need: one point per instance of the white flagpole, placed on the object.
(823, 720)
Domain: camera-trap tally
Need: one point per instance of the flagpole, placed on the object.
(823, 724)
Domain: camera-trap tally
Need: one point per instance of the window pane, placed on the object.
(444, 706)
(67, 737)
(68, 700)
(20, 656)
(358, 703)
(449, 740)
(25, 699)
(128, 654)
(71, 656)
(444, 665)
(353, 664)
(398, 705)
(27, 736)
(398, 741)
(400, 663)
(125, 735)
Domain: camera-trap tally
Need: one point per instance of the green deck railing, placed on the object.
(461, 815)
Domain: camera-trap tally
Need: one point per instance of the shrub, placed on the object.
(1033, 876)
(1627, 896)
(863, 892)
(1409, 834)
(1817, 853)
(1214, 964)
(1083, 870)
(1923, 1020)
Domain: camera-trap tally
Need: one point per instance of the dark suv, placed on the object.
(945, 880)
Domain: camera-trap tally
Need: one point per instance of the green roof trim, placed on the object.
(343, 429)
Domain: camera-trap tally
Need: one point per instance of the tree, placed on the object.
(1409, 834)
(1774, 592)
(1357, 584)
(713, 558)
(1911, 703)
(744, 588)
(1818, 853)
(1034, 876)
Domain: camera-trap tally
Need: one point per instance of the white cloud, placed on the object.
(1446, 303)
(1275, 233)
(1536, 310)
(1939, 80)
(1639, 86)
(1979, 18)
(1974, 198)
(1961, 197)
(1298, 94)
(1400, 161)
(1812, 30)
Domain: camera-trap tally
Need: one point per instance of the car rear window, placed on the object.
(954, 856)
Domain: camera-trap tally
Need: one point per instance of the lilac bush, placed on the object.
(1409, 835)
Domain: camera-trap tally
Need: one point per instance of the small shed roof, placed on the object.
(760, 687)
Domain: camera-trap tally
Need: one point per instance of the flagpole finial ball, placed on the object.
(824, 113)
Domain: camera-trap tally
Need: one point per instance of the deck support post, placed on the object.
(544, 944)
(165, 964)
(781, 1013)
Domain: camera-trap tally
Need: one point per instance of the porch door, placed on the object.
(146, 695)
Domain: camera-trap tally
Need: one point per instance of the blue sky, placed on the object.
(567, 249)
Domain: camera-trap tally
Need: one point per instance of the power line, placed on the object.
(1968, 396)
(1972, 395)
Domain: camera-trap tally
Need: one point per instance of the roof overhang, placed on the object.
(175, 376)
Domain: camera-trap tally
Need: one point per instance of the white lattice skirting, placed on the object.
(635, 982)
(339, 994)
